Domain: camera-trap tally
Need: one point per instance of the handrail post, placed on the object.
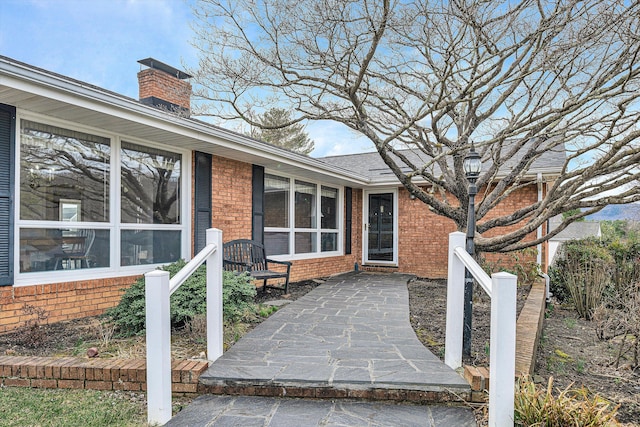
(214, 296)
(158, 326)
(455, 302)
(502, 357)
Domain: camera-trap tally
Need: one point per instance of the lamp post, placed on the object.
(472, 166)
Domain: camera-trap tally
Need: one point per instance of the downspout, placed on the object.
(539, 231)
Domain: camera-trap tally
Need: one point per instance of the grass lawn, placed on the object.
(46, 407)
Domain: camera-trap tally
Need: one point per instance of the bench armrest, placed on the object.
(279, 262)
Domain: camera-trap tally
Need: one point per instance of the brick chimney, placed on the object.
(162, 86)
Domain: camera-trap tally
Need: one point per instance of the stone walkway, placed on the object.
(349, 338)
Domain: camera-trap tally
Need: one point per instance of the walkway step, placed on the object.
(348, 338)
(218, 411)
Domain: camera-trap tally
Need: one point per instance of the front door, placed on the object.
(380, 228)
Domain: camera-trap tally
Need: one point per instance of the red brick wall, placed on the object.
(423, 235)
(523, 197)
(231, 198)
(157, 83)
(423, 238)
(60, 301)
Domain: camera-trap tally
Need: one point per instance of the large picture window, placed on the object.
(297, 221)
(76, 214)
(57, 165)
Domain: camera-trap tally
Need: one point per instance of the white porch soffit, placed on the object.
(39, 91)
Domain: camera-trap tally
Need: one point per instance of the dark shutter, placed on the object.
(7, 157)
(257, 203)
(202, 199)
(347, 226)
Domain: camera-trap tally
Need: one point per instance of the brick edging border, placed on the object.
(94, 374)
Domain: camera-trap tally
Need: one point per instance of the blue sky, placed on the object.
(100, 42)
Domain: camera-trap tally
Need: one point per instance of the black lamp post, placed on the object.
(472, 166)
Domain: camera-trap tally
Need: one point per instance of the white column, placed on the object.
(158, 326)
(455, 303)
(214, 296)
(502, 358)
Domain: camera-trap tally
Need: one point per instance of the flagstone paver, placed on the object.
(351, 336)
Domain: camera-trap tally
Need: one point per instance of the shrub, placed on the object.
(238, 294)
(582, 273)
(536, 406)
(626, 254)
(187, 302)
(522, 263)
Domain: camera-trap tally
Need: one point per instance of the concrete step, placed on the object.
(218, 411)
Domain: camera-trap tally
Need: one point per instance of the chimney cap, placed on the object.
(157, 65)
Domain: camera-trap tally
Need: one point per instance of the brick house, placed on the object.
(97, 189)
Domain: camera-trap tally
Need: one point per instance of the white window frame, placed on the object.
(113, 225)
(291, 256)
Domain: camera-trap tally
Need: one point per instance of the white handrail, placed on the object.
(478, 273)
(186, 271)
(158, 289)
(502, 288)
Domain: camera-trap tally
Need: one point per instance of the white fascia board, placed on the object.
(74, 93)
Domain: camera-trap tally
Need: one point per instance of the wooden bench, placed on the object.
(249, 256)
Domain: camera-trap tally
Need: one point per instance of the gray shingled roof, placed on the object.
(373, 167)
(575, 230)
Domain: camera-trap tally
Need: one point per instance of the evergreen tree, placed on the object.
(273, 129)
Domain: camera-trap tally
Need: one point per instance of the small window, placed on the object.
(70, 210)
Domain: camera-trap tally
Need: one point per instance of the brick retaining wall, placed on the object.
(94, 374)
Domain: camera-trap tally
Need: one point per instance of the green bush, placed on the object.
(582, 273)
(626, 254)
(187, 302)
(238, 294)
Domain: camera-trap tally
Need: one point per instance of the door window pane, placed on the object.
(59, 165)
(63, 249)
(305, 205)
(149, 246)
(329, 208)
(150, 185)
(276, 201)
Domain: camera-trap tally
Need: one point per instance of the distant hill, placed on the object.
(614, 212)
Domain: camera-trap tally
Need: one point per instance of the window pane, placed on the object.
(149, 246)
(305, 243)
(329, 242)
(63, 249)
(150, 185)
(305, 205)
(329, 207)
(276, 243)
(58, 165)
(276, 201)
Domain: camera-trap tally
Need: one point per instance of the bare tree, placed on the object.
(520, 79)
(275, 128)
